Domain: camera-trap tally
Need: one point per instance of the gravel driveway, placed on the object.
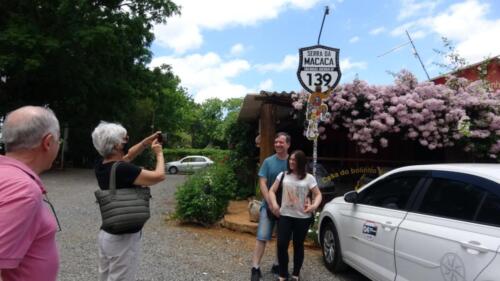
(170, 251)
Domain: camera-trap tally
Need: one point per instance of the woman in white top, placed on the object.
(296, 211)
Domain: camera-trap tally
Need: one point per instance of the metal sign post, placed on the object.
(319, 73)
(316, 112)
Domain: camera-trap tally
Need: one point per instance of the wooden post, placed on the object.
(267, 130)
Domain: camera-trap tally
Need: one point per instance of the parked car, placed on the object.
(428, 222)
(188, 163)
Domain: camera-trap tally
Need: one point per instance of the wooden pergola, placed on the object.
(267, 109)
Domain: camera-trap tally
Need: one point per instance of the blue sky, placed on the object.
(229, 48)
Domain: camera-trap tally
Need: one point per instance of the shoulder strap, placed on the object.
(112, 177)
(281, 181)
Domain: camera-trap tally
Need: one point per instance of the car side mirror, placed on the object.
(351, 197)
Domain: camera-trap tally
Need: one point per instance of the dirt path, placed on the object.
(170, 251)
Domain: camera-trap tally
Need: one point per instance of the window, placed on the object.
(200, 159)
(188, 160)
(451, 199)
(391, 193)
(490, 211)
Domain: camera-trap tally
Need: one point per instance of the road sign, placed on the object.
(319, 67)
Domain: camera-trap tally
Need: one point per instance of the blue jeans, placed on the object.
(266, 226)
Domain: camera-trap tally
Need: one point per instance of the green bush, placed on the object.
(312, 233)
(205, 196)
(174, 154)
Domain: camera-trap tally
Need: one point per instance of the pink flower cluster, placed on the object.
(431, 114)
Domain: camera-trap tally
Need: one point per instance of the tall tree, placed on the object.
(214, 119)
(87, 59)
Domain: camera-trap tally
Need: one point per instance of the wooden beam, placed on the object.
(267, 130)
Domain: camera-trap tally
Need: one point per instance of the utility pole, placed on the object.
(415, 52)
(417, 55)
(327, 12)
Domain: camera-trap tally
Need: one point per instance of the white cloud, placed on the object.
(288, 62)
(266, 85)
(377, 31)
(466, 24)
(411, 8)
(354, 39)
(178, 35)
(346, 64)
(223, 91)
(237, 49)
(184, 32)
(413, 29)
(207, 76)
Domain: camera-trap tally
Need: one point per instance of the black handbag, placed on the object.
(123, 210)
(279, 195)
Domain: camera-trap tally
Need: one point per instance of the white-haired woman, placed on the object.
(119, 253)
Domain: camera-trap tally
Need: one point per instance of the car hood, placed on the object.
(339, 199)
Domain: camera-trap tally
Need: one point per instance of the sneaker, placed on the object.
(275, 269)
(256, 274)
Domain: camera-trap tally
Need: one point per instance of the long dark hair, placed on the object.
(300, 160)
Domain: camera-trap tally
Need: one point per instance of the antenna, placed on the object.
(415, 52)
(327, 12)
(417, 55)
(393, 49)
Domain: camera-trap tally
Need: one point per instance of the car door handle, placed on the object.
(388, 226)
(474, 245)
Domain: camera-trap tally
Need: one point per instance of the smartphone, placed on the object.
(161, 137)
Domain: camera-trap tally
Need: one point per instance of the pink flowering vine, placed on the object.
(436, 116)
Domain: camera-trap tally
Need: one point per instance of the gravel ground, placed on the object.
(170, 251)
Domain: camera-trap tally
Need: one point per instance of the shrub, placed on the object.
(312, 233)
(204, 197)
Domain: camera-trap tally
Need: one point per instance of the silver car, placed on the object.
(418, 223)
(188, 164)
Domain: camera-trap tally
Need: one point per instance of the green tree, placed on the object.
(206, 129)
(88, 60)
(232, 110)
(213, 119)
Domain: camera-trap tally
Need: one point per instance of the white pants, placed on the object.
(118, 256)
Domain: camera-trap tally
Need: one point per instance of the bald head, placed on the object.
(25, 127)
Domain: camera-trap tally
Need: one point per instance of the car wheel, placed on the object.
(173, 170)
(330, 244)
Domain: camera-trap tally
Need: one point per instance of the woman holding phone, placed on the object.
(119, 252)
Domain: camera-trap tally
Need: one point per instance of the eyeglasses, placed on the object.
(46, 200)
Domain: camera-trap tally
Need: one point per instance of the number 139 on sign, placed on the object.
(319, 79)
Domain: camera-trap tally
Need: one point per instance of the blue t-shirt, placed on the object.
(270, 169)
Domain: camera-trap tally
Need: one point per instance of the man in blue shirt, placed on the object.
(272, 166)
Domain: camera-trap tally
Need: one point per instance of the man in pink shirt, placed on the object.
(28, 249)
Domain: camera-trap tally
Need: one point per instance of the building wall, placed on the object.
(472, 74)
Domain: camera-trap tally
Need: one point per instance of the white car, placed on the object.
(418, 223)
(188, 164)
